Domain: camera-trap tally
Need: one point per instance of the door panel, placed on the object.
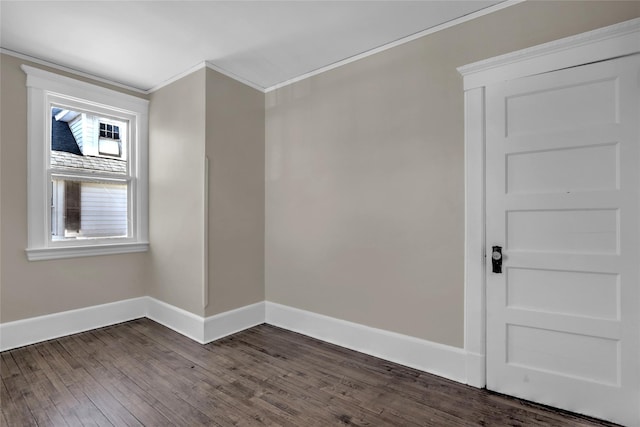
(562, 170)
(563, 230)
(555, 291)
(563, 199)
(563, 353)
(597, 100)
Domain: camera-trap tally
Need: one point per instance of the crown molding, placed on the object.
(177, 77)
(233, 76)
(399, 42)
(618, 40)
(211, 65)
(70, 70)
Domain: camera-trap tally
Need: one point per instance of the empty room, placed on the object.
(317, 213)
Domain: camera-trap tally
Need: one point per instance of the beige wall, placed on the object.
(206, 114)
(176, 185)
(364, 173)
(202, 111)
(364, 186)
(29, 289)
(235, 148)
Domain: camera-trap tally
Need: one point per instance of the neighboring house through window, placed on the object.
(83, 206)
(110, 143)
(87, 169)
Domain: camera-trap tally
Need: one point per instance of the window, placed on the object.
(109, 143)
(87, 169)
(109, 131)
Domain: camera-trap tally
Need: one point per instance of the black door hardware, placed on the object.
(496, 259)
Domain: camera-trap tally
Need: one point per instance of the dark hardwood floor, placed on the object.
(141, 373)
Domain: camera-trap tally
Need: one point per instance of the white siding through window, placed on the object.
(76, 128)
(104, 209)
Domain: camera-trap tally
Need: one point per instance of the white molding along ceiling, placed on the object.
(143, 46)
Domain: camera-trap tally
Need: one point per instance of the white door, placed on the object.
(563, 200)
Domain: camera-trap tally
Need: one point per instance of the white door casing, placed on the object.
(610, 42)
(563, 197)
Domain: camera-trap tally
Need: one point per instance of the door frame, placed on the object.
(598, 45)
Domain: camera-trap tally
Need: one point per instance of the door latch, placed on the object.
(496, 259)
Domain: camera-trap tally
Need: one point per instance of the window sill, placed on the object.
(41, 254)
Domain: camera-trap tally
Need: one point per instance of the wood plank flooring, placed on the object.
(141, 373)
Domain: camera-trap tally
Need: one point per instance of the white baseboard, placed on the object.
(42, 328)
(442, 360)
(230, 322)
(182, 321)
(445, 361)
(203, 330)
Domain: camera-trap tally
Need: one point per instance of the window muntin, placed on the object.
(109, 131)
(57, 231)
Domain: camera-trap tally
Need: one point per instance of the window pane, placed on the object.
(82, 142)
(109, 147)
(84, 210)
(72, 206)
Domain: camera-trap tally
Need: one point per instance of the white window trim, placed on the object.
(42, 87)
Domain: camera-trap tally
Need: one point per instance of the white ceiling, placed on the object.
(143, 44)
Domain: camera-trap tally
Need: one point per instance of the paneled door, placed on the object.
(563, 205)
